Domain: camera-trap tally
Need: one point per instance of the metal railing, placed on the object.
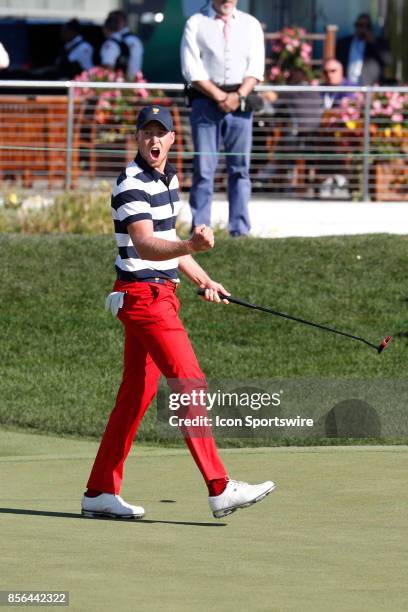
(308, 142)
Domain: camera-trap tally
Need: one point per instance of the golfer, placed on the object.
(145, 204)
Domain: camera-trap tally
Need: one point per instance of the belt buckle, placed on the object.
(164, 282)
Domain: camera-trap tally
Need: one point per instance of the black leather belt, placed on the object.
(194, 94)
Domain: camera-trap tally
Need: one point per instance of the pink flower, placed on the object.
(397, 117)
(396, 101)
(274, 73)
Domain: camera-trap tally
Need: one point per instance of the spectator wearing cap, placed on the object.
(363, 56)
(76, 55)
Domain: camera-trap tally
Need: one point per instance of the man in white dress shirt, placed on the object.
(223, 58)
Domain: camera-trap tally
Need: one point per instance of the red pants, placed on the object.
(155, 342)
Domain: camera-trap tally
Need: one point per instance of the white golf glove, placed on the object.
(114, 302)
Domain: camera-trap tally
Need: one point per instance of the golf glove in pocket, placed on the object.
(114, 302)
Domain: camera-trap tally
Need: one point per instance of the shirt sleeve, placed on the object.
(4, 58)
(86, 58)
(132, 205)
(83, 55)
(191, 63)
(110, 52)
(136, 56)
(256, 63)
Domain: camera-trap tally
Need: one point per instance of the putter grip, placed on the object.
(222, 296)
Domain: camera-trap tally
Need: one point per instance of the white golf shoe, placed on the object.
(239, 495)
(109, 505)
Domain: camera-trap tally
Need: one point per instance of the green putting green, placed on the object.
(331, 537)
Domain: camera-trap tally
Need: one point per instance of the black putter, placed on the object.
(384, 343)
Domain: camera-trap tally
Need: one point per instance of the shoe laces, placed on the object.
(238, 483)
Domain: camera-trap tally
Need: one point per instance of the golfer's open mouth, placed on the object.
(155, 152)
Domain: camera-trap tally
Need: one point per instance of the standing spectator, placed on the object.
(364, 57)
(134, 44)
(114, 53)
(76, 55)
(121, 50)
(333, 76)
(223, 58)
(4, 58)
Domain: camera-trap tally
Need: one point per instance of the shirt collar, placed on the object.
(211, 13)
(169, 169)
(73, 42)
(116, 36)
(358, 41)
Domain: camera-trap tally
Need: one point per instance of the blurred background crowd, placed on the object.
(51, 41)
(305, 142)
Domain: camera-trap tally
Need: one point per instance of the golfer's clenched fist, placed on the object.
(202, 239)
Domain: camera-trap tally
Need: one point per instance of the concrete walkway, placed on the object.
(285, 218)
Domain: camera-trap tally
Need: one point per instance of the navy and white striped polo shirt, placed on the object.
(142, 192)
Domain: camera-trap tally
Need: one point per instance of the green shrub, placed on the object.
(73, 212)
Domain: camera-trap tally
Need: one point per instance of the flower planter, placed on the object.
(391, 181)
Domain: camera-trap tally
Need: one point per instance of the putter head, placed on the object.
(384, 344)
